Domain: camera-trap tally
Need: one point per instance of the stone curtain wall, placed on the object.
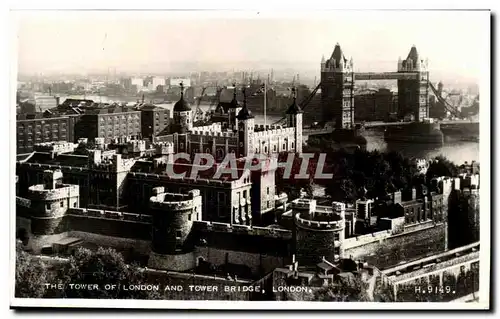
(385, 252)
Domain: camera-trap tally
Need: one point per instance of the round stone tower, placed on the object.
(49, 202)
(173, 217)
(319, 233)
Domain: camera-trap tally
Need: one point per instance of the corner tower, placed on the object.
(246, 128)
(173, 217)
(183, 123)
(294, 119)
(337, 85)
(413, 91)
(182, 114)
(318, 234)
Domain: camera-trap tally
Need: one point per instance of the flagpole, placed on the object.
(265, 104)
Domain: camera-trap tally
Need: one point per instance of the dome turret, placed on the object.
(182, 105)
(244, 113)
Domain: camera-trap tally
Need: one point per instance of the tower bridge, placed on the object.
(414, 88)
(338, 79)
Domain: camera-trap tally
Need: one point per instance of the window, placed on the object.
(268, 191)
(189, 217)
(284, 146)
(178, 234)
(62, 204)
(74, 204)
(245, 192)
(48, 206)
(293, 145)
(274, 148)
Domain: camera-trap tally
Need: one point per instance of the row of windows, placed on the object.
(117, 117)
(275, 148)
(39, 129)
(40, 139)
(30, 126)
(130, 124)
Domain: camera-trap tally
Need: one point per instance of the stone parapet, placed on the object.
(242, 229)
(96, 213)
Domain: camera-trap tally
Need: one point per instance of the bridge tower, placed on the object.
(337, 85)
(413, 94)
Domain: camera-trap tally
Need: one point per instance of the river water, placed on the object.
(456, 151)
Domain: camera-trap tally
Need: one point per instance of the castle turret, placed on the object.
(173, 217)
(234, 109)
(319, 234)
(182, 114)
(50, 202)
(246, 129)
(294, 119)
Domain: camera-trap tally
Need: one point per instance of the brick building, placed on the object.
(109, 123)
(154, 120)
(37, 128)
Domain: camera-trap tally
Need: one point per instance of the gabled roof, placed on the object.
(182, 105)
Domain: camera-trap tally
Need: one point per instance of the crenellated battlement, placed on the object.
(213, 133)
(104, 214)
(39, 192)
(242, 229)
(275, 132)
(54, 166)
(366, 239)
(164, 148)
(57, 147)
(214, 127)
(175, 201)
(320, 225)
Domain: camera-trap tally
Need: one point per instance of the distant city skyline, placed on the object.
(163, 42)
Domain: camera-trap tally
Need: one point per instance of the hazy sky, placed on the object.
(158, 41)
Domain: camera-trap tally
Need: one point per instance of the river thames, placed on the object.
(456, 151)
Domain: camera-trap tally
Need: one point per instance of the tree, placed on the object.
(31, 275)
(347, 288)
(441, 166)
(105, 266)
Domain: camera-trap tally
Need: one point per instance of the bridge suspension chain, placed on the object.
(446, 105)
(198, 113)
